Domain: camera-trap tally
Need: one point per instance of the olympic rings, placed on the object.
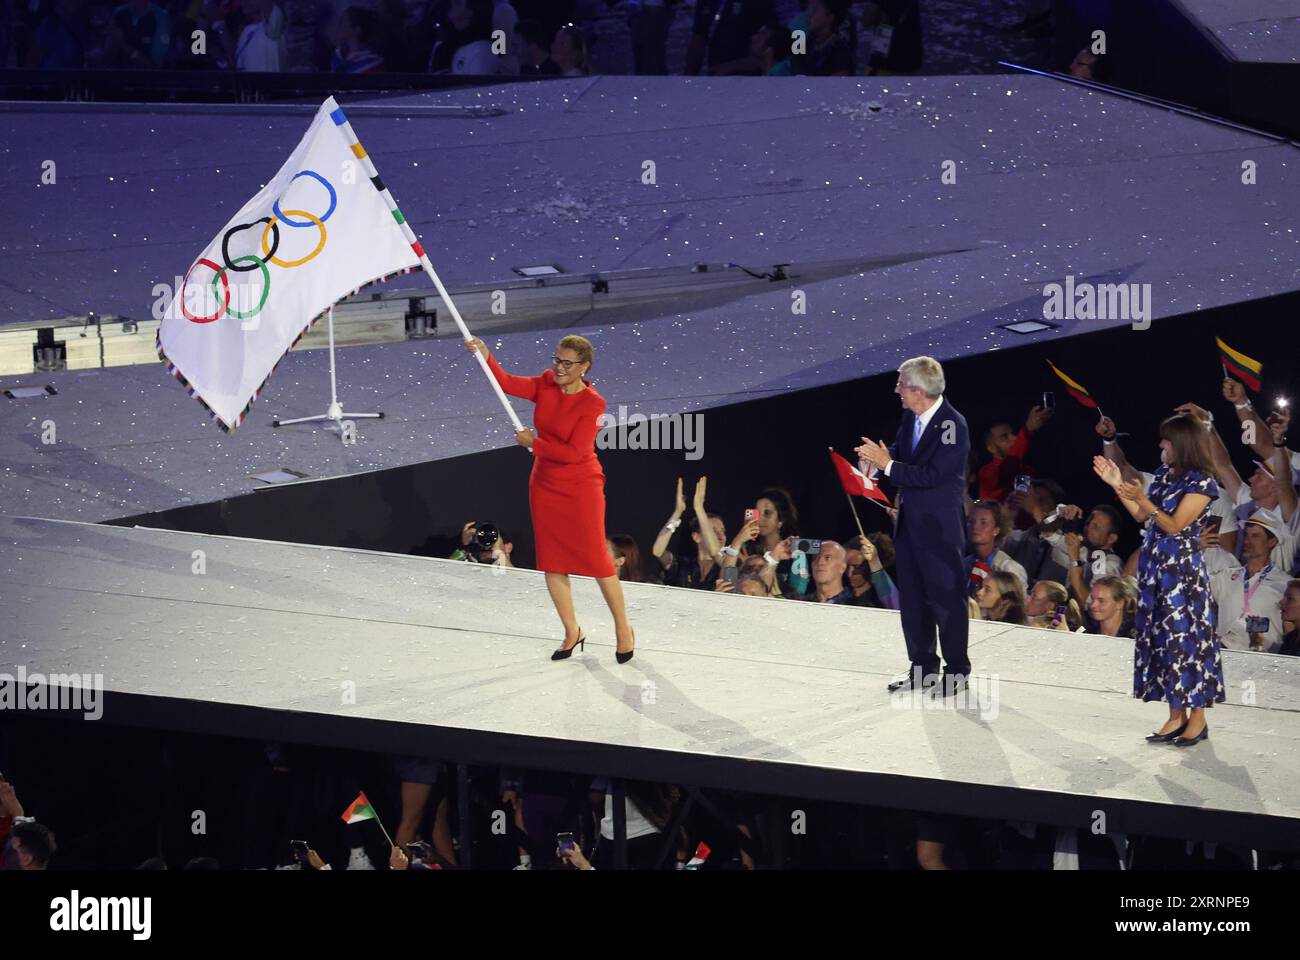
(266, 287)
(253, 262)
(334, 198)
(225, 244)
(295, 263)
(224, 282)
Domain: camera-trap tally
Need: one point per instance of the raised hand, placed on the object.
(1278, 422)
(700, 487)
(1036, 417)
(679, 506)
(1106, 428)
(1233, 391)
(1108, 470)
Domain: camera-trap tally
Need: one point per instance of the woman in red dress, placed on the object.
(566, 490)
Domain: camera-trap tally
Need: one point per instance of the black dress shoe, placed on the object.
(1189, 741)
(951, 685)
(913, 679)
(1166, 737)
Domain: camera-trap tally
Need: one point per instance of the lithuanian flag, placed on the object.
(1075, 389)
(1239, 366)
(360, 809)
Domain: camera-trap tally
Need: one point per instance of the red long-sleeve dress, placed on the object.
(566, 490)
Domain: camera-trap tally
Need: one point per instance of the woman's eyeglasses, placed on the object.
(564, 364)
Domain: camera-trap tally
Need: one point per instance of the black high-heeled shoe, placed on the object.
(565, 654)
(625, 657)
(1166, 737)
(1189, 741)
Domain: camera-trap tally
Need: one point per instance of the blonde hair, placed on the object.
(579, 345)
(1122, 590)
(1057, 593)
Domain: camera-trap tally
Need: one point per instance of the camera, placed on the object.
(486, 536)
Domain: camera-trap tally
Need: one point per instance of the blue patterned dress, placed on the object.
(1177, 656)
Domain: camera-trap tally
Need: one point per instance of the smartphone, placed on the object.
(751, 516)
(809, 547)
(564, 841)
(1022, 483)
(1049, 400)
(1060, 613)
(731, 574)
(299, 848)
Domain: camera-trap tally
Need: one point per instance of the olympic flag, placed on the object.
(323, 227)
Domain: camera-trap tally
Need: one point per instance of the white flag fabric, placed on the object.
(323, 227)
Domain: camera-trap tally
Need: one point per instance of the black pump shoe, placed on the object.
(1166, 737)
(563, 654)
(625, 657)
(1189, 741)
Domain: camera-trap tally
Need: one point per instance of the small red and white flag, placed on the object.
(856, 482)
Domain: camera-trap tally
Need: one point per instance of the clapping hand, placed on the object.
(700, 487)
(874, 453)
(1130, 490)
(1108, 470)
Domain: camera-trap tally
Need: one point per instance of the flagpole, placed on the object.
(856, 518)
(359, 151)
(464, 332)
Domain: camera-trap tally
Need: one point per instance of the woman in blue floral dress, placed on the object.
(1177, 657)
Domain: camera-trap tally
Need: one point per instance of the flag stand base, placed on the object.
(335, 412)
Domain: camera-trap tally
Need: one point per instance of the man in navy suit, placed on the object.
(927, 464)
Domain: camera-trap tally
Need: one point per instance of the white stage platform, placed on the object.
(770, 696)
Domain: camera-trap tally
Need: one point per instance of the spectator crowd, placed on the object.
(480, 37)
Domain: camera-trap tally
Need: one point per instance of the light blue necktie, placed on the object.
(916, 434)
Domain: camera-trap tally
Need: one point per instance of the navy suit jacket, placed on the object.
(932, 479)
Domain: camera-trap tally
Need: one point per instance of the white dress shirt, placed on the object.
(924, 419)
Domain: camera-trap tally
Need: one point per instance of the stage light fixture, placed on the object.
(544, 270)
(48, 354)
(420, 323)
(1026, 327)
(24, 393)
(279, 475)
